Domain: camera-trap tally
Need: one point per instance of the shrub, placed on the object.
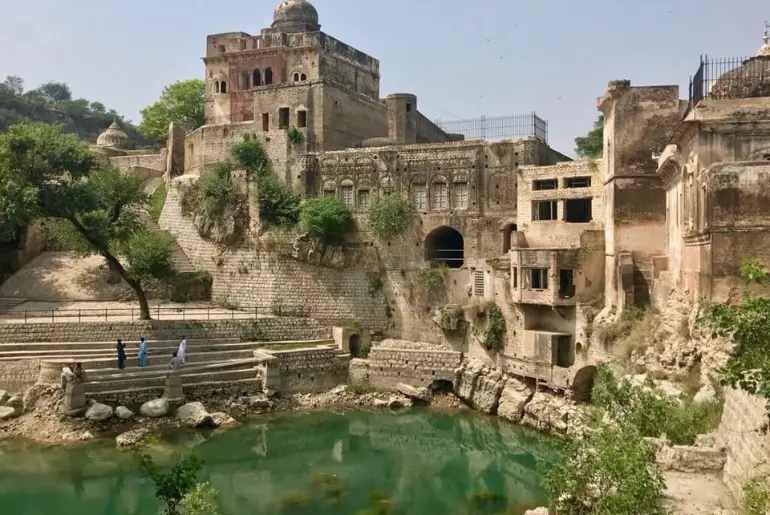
(756, 496)
(390, 215)
(293, 135)
(157, 200)
(432, 279)
(201, 500)
(216, 193)
(607, 471)
(173, 485)
(493, 334)
(250, 155)
(278, 205)
(375, 285)
(449, 318)
(325, 218)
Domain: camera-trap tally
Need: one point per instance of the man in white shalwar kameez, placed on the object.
(181, 352)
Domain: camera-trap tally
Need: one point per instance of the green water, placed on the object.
(425, 462)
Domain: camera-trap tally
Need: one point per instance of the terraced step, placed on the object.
(114, 397)
(130, 353)
(155, 359)
(107, 374)
(160, 380)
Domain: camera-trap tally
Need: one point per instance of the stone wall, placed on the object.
(270, 329)
(744, 433)
(385, 368)
(17, 376)
(251, 277)
(310, 370)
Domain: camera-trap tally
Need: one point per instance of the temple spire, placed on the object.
(764, 50)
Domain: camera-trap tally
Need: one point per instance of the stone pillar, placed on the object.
(269, 372)
(175, 147)
(173, 389)
(74, 404)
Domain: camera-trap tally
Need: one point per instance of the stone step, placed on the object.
(108, 374)
(159, 360)
(108, 346)
(165, 350)
(115, 397)
(160, 380)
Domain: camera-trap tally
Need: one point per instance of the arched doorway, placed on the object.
(508, 231)
(583, 384)
(354, 344)
(445, 246)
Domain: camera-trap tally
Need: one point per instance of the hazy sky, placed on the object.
(462, 58)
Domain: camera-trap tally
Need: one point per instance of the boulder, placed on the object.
(98, 412)
(123, 413)
(548, 412)
(155, 408)
(380, 403)
(4, 397)
(221, 419)
(258, 402)
(421, 394)
(513, 398)
(237, 410)
(486, 394)
(16, 402)
(6, 412)
(465, 380)
(194, 414)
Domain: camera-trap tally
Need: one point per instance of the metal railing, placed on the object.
(734, 77)
(528, 125)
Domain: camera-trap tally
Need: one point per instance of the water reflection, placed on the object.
(425, 462)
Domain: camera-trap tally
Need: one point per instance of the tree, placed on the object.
(90, 209)
(180, 102)
(14, 83)
(592, 144)
(55, 91)
(325, 218)
(173, 485)
(201, 500)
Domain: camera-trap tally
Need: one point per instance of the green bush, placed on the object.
(449, 318)
(681, 420)
(756, 496)
(390, 215)
(249, 154)
(171, 486)
(216, 193)
(293, 135)
(278, 205)
(325, 218)
(493, 334)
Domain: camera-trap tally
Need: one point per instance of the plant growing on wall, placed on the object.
(325, 218)
(495, 330)
(432, 280)
(47, 174)
(756, 495)
(221, 208)
(390, 215)
(449, 318)
(293, 135)
(748, 324)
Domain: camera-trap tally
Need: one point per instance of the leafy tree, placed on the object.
(592, 144)
(180, 102)
(201, 500)
(55, 91)
(748, 324)
(278, 205)
(608, 471)
(90, 209)
(325, 218)
(390, 215)
(173, 485)
(14, 83)
(249, 154)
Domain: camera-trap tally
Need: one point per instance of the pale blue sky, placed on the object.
(462, 59)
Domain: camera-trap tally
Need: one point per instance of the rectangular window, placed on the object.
(545, 184)
(329, 193)
(577, 182)
(408, 108)
(461, 195)
(221, 49)
(419, 197)
(301, 119)
(577, 211)
(566, 286)
(515, 277)
(265, 122)
(347, 195)
(439, 196)
(544, 210)
(478, 283)
(363, 198)
(538, 278)
(283, 118)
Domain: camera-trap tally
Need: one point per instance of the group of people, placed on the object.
(177, 360)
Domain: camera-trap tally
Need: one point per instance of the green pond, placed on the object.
(425, 462)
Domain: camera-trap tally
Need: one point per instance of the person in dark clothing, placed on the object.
(121, 355)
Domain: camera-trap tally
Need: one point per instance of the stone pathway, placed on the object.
(697, 494)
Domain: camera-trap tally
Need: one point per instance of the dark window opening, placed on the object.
(566, 286)
(268, 75)
(577, 211)
(577, 182)
(565, 352)
(508, 231)
(538, 278)
(256, 78)
(515, 277)
(301, 119)
(544, 210)
(283, 118)
(223, 87)
(545, 184)
(354, 343)
(221, 49)
(295, 77)
(265, 122)
(303, 77)
(408, 108)
(216, 86)
(445, 246)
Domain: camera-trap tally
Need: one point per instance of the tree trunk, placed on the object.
(144, 307)
(114, 276)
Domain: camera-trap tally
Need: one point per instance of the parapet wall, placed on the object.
(310, 370)
(269, 329)
(744, 433)
(385, 368)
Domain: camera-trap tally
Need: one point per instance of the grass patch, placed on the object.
(156, 203)
(756, 496)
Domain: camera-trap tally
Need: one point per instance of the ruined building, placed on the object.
(676, 201)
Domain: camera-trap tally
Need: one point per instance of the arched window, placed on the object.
(295, 77)
(268, 75)
(256, 78)
(303, 77)
(243, 80)
(439, 200)
(216, 86)
(223, 87)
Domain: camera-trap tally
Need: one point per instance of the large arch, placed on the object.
(583, 384)
(445, 245)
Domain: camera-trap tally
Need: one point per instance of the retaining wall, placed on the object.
(385, 368)
(18, 375)
(310, 370)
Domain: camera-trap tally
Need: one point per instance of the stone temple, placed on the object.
(678, 199)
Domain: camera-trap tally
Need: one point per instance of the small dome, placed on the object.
(295, 16)
(113, 137)
(764, 50)
(750, 80)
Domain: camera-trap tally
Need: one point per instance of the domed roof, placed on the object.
(295, 16)
(750, 80)
(764, 50)
(113, 137)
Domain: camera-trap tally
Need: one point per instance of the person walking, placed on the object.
(142, 352)
(182, 348)
(175, 363)
(121, 348)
